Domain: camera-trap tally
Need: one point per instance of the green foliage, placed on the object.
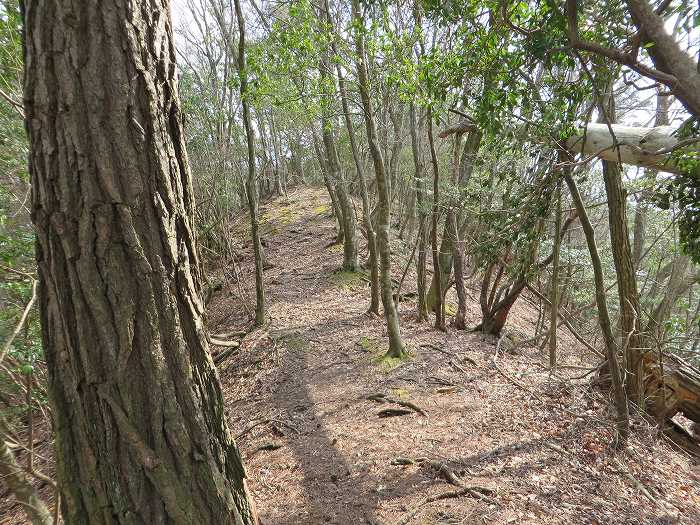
(16, 231)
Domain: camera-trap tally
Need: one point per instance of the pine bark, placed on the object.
(138, 411)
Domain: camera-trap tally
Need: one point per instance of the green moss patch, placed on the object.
(369, 345)
(348, 280)
(387, 364)
(292, 339)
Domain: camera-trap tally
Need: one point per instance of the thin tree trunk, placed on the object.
(396, 346)
(466, 168)
(251, 185)
(420, 196)
(347, 210)
(554, 294)
(335, 207)
(136, 400)
(619, 394)
(366, 209)
(437, 270)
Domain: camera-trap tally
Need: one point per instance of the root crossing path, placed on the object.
(331, 432)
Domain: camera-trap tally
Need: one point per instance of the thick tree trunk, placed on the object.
(137, 406)
(634, 344)
(396, 346)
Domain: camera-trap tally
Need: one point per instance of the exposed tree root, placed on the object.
(382, 398)
(473, 491)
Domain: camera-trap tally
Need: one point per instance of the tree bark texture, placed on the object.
(138, 411)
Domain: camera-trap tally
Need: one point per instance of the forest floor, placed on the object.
(318, 451)
(538, 448)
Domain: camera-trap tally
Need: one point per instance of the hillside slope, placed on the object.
(318, 451)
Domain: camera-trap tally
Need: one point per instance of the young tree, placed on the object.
(251, 184)
(138, 410)
(396, 346)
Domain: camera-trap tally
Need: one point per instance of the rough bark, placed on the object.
(396, 346)
(137, 406)
(634, 342)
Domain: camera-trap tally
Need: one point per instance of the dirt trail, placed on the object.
(318, 452)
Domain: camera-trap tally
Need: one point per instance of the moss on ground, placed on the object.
(293, 340)
(378, 350)
(369, 345)
(348, 280)
(387, 363)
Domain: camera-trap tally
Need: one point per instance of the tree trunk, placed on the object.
(437, 270)
(420, 196)
(396, 346)
(451, 222)
(347, 209)
(554, 293)
(634, 344)
(466, 168)
(366, 209)
(335, 206)
(138, 410)
(251, 184)
(619, 395)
